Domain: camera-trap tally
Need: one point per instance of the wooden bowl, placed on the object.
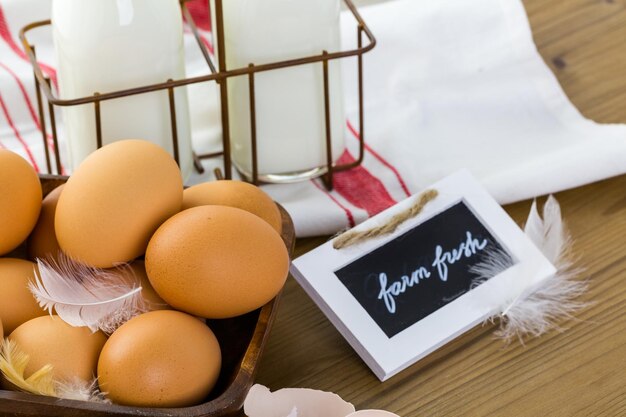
(242, 340)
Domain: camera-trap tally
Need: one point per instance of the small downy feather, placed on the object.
(539, 311)
(13, 364)
(80, 390)
(85, 296)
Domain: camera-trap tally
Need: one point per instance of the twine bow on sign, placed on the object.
(353, 237)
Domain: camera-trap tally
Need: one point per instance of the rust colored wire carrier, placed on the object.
(219, 74)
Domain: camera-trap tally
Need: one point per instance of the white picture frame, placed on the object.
(386, 356)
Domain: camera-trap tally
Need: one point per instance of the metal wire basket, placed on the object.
(217, 73)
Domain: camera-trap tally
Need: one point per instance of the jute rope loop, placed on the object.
(354, 236)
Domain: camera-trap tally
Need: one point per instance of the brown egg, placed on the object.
(72, 351)
(234, 194)
(17, 304)
(160, 359)
(1, 330)
(136, 272)
(42, 242)
(115, 201)
(216, 261)
(20, 200)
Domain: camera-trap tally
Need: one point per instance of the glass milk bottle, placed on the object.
(109, 45)
(290, 115)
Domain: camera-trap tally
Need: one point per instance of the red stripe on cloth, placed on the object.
(199, 10)
(29, 104)
(31, 109)
(208, 44)
(17, 134)
(205, 41)
(380, 159)
(6, 35)
(349, 215)
(361, 188)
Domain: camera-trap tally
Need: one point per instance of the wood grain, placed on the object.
(579, 372)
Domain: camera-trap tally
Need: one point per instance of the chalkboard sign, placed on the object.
(421, 270)
(398, 297)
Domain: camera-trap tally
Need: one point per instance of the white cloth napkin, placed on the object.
(455, 84)
(451, 84)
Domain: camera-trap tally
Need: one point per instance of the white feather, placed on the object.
(534, 226)
(535, 312)
(79, 390)
(492, 264)
(86, 296)
(549, 234)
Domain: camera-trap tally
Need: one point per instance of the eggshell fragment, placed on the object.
(115, 200)
(42, 242)
(160, 359)
(372, 413)
(260, 402)
(234, 194)
(17, 304)
(20, 200)
(72, 351)
(216, 261)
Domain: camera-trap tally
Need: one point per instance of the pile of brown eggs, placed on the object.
(211, 251)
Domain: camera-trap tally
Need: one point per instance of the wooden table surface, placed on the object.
(580, 372)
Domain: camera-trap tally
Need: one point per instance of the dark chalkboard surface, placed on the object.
(420, 271)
